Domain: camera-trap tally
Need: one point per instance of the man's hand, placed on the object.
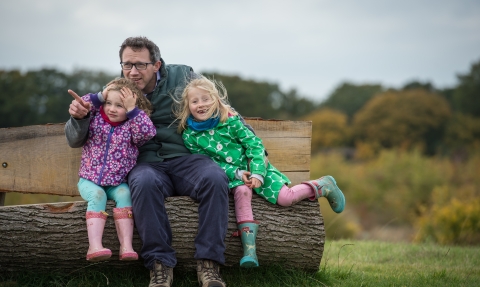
(78, 108)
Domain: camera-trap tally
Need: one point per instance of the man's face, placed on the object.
(144, 79)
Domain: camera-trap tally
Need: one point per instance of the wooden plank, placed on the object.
(47, 237)
(37, 159)
(288, 144)
(289, 154)
(297, 177)
(280, 128)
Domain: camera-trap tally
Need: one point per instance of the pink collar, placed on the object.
(105, 117)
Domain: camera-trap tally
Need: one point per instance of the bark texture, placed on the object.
(53, 237)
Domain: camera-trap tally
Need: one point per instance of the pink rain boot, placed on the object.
(124, 224)
(95, 226)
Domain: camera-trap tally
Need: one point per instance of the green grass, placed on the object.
(344, 263)
(370, 263)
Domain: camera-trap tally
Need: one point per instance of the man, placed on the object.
(166, 168)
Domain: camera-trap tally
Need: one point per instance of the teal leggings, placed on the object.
(97, 195)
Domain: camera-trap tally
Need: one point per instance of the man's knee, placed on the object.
(213, 182)
(215, 175)
(141, 176)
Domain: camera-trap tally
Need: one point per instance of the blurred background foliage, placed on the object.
(407, 159)
(404, 196)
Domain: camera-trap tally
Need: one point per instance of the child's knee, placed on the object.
(243, 192)
(95, 195)
(98, 195)
(122, 196)
(97, 200)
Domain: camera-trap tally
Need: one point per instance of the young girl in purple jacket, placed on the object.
(119, 124)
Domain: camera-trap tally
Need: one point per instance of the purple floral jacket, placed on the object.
(111, 152)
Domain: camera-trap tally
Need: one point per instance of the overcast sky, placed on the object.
(311, 46)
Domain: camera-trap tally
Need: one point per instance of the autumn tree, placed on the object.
(406, 119)
(349, 98)
(329, 128)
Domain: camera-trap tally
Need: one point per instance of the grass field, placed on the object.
(370, 263)
(344, 263)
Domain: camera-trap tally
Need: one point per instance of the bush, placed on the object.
(404, 190)
(453, 218)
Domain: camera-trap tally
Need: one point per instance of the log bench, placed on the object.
(53, 236)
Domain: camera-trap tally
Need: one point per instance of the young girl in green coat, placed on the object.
(211, 127)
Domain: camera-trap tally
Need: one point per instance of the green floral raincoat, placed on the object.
(232, 146)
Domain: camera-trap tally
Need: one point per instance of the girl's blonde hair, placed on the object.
(142, 102)
(219, 108)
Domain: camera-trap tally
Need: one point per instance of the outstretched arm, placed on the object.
(79, 108)
(76, 129)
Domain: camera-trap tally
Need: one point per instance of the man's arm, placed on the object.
(76, 131)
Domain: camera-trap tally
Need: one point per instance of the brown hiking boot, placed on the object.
(161, 276)
(208, 273)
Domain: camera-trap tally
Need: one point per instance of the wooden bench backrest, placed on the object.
(37, 159)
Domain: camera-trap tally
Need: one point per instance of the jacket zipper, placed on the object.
(106, 154)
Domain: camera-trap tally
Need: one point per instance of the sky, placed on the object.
(310, 46)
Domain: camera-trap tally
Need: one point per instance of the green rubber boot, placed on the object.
(326, 186)
(248, 233)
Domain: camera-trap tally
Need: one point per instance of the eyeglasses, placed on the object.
(138, 66)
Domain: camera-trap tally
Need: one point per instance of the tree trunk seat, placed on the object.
(53, 236)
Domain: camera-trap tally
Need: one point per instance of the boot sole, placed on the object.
(248, 262)
(335, 194)
(128, 257)
(99, 256)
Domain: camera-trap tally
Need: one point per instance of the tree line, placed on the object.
(371, 117)
(366, 117)
(40, 96)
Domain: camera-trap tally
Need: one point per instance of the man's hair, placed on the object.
(138, 43)
(142, 102)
